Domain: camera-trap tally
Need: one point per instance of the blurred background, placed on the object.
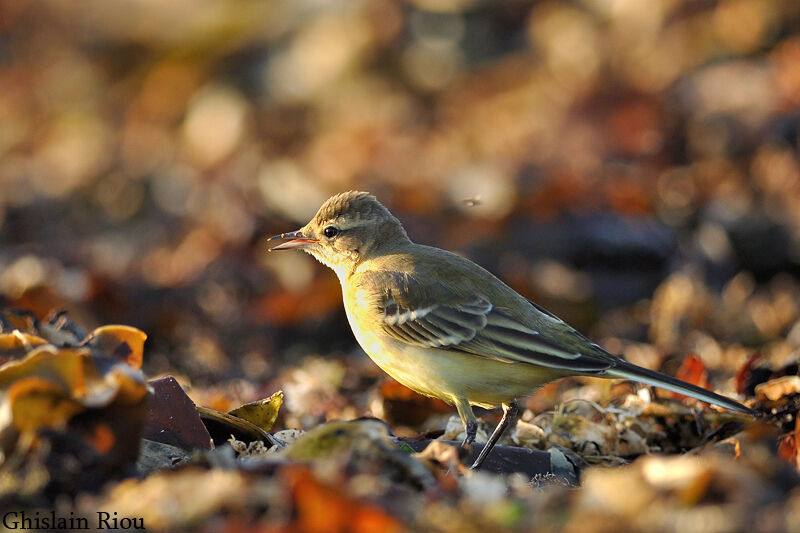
(632, 166)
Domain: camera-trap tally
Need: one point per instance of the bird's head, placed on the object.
(349, 228)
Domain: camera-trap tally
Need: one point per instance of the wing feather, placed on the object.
(474, 326)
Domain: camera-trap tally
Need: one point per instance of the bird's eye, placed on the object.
(330, 232)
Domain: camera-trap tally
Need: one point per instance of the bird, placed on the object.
(447, 328)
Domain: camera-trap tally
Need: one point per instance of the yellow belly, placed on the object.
(448, 375)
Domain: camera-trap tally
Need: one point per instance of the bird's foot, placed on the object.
(472, 430)
(510, 411)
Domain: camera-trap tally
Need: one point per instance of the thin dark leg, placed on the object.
(510, 411)
(468, 419)
(472, 430)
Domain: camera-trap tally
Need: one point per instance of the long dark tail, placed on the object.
(636, 373)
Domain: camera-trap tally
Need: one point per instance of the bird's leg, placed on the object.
(510, 411)
(472, 430)
(468, 419)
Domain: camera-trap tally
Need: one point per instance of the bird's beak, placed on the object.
(298, 241)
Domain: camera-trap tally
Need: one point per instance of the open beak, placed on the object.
(298, 241)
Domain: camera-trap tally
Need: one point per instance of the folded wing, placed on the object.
(474, 326)
(464, 322)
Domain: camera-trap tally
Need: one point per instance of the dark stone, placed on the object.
(172, 417)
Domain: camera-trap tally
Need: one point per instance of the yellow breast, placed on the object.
(447, 374)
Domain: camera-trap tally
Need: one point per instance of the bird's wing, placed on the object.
(472, 324)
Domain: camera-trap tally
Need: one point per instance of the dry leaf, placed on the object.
(123, 342)
(84, 403)
(777, 388)
(261, 413)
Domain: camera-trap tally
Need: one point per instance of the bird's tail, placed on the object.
(627, 370)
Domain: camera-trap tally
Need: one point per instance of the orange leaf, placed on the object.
(102, 438)
(692, 371)
(322, 508)
(404, 406)
(787, 447)
(285, 308)
(62, 366)
(394, 390)
(123, 342)
(744, 371)
(17, 343)
(368, 519)
(37, 402)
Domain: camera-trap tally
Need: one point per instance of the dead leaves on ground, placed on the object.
(73, 407)
(80, 416)
(262, 413)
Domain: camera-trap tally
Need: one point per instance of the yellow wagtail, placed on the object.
(445, 327)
